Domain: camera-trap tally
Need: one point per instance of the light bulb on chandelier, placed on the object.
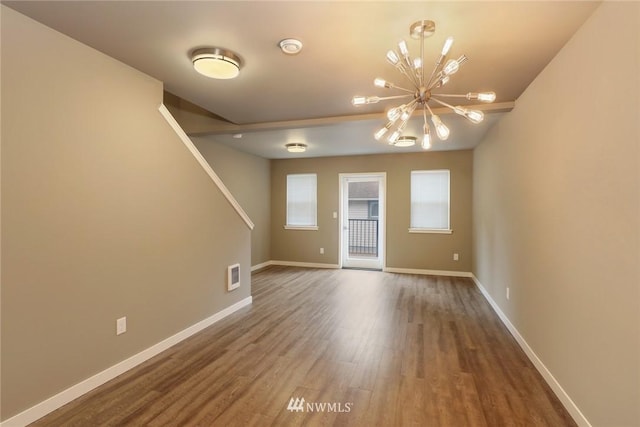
(422, 90)
(426, 137)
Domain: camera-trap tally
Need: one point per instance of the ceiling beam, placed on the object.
(225, 128)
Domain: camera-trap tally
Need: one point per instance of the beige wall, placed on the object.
(193, 119)
(404, 250)
(248, 177)
(557, 217)
(104, 214)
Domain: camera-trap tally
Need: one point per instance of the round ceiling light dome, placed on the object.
(296, 147)
(216, 63)
(406, 141)
(290, 46)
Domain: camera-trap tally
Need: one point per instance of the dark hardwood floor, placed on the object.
(382, 349)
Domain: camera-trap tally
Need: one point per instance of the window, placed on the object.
(301, 201)
(373, 209)
(430, 201)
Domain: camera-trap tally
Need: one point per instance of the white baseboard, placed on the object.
(386, 269)
(569, 404)
(43, 408)
(303, 264)
(261, 266)
(428, 272)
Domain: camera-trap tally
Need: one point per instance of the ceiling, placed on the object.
(306, 98)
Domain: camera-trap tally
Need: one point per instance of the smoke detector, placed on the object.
(290, 46)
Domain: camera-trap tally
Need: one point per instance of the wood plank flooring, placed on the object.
(395, 350)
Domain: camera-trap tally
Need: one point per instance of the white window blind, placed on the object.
(430, 200)
(301, 200)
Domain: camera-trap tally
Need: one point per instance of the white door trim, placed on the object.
(381, 177)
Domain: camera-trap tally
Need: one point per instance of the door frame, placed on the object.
(381, 177)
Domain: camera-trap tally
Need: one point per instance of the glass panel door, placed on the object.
(361, 220)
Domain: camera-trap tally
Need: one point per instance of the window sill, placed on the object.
(430, 231)
(301, 227)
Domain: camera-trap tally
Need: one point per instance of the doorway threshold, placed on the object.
(362, 268)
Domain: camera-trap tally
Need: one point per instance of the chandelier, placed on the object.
(422, 91)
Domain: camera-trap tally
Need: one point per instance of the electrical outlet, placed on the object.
(121, 325)
(456, 257)
(507, 293)
(321, 251)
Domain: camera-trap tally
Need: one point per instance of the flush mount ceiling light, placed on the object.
(406, 141)
(296, 147)
(290, 46)
(423, 87)
(216, 63)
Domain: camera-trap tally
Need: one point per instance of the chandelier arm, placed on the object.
(412, 105)
(391, 85)
(408, 76)
(441, 76)
(430, 85)
(487, 97)
(450, 95)
(409, 110)
(426, 133)
(409, 65)
(435, 70)
(422, 60)
(441, 59)
(428, 108)
(412, 72)
(386, 98)
(442, 73)
(473, 116)
(424, 113)
(442, 103)
(416, 76)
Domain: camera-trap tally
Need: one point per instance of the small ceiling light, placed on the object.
(406, 141)
(290, 46)
(296, 147)
(216, 63)
(237, 136)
